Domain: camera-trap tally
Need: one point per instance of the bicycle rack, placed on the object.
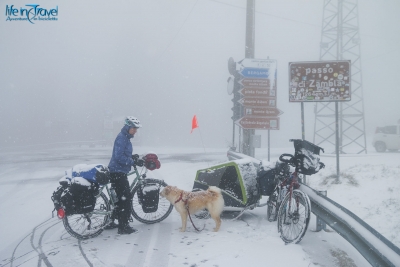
(374, 247)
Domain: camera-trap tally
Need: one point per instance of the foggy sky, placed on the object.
(165, 61)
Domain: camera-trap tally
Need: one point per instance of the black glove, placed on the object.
(139, 162)
(135, 157)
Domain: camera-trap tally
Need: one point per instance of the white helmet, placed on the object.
(132, 122)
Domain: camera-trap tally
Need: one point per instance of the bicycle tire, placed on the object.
(292, 225)
(77, 224)
(272, 203)
(164, 206)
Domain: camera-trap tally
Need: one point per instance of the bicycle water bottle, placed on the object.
(113, 195)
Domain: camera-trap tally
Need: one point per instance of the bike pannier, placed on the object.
(306, 157)
(267, 182)
(149, 196)
(80, 197)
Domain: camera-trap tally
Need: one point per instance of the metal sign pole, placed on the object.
(303, 133)
(249, 53)
(269, 144)
(337, 142)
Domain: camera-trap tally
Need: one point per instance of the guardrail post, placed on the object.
(321, 225)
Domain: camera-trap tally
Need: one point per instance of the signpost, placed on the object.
(259, 94)
(263, 112)
(259, 123)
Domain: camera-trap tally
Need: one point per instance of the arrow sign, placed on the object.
(256, 92)
(258, 63)
(262, 112)
(255, 83)
(259, 123)
(258, 102)
(255, 73)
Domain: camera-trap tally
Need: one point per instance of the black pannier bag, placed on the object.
(266, 182)
(149, 195)
(306, 157)
(78, 198)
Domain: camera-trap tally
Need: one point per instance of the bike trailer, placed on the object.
(237, 180)
(149, 195)
(306, 157)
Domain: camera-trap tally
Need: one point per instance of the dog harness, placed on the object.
(187, 208)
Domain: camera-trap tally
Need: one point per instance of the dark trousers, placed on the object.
(123, 210)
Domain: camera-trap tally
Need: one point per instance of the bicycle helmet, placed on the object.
(132, 122)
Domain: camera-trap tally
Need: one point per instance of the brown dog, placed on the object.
(191, 202)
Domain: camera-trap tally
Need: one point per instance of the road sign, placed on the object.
(318, 81)
(255, 83)
(256, 92)
(255, 73)
(257, 63)
(259, 123)
(258, 102)
(262, 112)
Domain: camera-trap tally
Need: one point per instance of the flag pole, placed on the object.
(201, 137)
(194, 126)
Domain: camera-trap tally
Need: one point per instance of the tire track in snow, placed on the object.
(154, 250)
(83, 253)
(13, 258)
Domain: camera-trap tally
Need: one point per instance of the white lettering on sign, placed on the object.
(318, 70)
(318, 84)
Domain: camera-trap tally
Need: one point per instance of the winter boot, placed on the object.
(126, 230)
(111, 225)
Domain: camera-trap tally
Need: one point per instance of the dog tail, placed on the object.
(220, 203)
(214, 189)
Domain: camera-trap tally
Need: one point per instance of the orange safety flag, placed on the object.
(194, 123)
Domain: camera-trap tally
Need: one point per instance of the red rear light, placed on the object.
(61, 213)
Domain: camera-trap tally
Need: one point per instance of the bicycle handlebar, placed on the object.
(289, 161)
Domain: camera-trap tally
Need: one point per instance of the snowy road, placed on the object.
(30, 237)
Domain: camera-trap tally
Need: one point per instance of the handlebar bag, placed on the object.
(306, 157)
(151, 161)
(149, 195)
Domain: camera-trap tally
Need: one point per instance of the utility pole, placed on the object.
(248, 149)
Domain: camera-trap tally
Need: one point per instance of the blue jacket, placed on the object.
(121, 159)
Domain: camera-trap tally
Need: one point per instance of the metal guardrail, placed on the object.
(374, 247)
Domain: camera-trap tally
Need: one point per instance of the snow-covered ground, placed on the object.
(369, 188)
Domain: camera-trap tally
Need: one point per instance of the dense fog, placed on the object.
(165, 61)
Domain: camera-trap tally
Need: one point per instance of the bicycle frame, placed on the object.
(136, 180)
(292, 184)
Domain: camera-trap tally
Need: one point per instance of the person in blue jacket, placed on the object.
(120, 165)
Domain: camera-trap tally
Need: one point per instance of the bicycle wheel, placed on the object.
(293, 221)
(162, 212)
(272, 208)
(88, 225)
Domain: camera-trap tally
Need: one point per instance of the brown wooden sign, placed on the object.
(320, 81)
(259, 123)
(257, 92)
(258, 102)
(262, 112)
(255, 83)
